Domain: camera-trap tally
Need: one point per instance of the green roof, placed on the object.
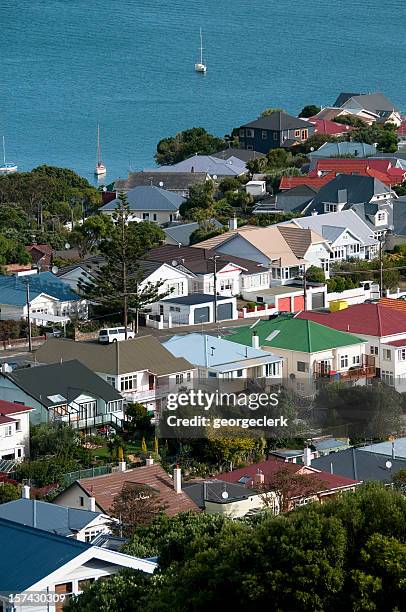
(295, 335)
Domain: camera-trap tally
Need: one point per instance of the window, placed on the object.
(402, 355)
(344, 361)
(250, 148)
(239, 373)
(264, 135)
(330, 207)
(19, 452)
(242, 133)
(18, 425)
(275, 136)
(81, 500)
(154, 217)
(189, 376)
(302, 366)
(249, 133)
(387, 354)
(128, 382)
(381, 216)
(356, 360)
(374, 350)
(114, 406)
(145, 216)
(300, 386)
(111, 380)
(297, 133)
(387, 377)
(8, 430)
(87, 410)
(272, 369)
(179, 379)
(304, 134)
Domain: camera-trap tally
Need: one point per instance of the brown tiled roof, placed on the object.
(136, 355)
(299, 242)
(106, 487)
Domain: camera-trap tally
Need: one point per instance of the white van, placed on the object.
(114, 334)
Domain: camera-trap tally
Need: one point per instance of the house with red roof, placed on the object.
(329, 128)
(384, 330)
(381, 169)
(41, 256)
(402, 133)
(264, 476)
(14, 434)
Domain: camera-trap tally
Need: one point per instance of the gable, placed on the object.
(240, 247)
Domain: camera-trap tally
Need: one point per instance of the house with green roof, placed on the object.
(309, 351)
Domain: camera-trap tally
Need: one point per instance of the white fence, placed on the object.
(355, 296)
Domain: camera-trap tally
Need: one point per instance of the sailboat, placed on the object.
(100, 169)
(201, 66)
(5, 167)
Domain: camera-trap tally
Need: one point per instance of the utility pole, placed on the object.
(214, 258)
(124, 263)
(27, 293)
(380, 266)
(305, 291)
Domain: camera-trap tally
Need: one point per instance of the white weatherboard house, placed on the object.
(141, 369)
(14, 433)
(217, 358)
(196, 309)
(348, 235)
(149, 203)
(34, 561)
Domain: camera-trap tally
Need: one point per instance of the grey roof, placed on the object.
(181, 233)
(343, 97)
(49, 517)
(208, 164)
(195, 298)
(328, 443)
(211, 491)
(357, 464)
(332, 225)
(349, 188)
(111, 542)
(172, 181)
(287, 453)
(136, 355)
(288, 200)
(67, 379)
(243, 154)
(333, 149)
(278, 121)
(399, 216)
(398, 447)
(148, 198)
(373, 102)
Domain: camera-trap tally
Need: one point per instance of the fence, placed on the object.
(262, 310)
(88, 473)
(21, 342)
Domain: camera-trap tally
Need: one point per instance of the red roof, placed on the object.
(370, 319)
(12, 408)
(270, 467)
(397, 342)
(4, 420)
(402, 128)
(381, 169)
(289, 182)
(331, 128)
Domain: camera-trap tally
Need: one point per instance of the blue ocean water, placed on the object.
(67, 65)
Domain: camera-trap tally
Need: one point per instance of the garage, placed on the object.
(284, 304)
(202, 315)
(317, 300)
(224, 311)
(298, 303)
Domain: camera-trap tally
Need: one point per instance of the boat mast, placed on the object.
(98, 145)
(201, 46)
(4, 151)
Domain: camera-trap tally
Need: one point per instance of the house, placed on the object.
(397, 235)
(217, 358)
(149, 203)
(234, 274)
(50, 299)
(381, 169)
(402, 134)
(229, 499)
(284, 250)
(179, 234)
(178, 183)
(261, 476)
(382, 328)
(329, 128)
(310, 351)
(349, 236)
(37, 561)
(64, 392)
(375, 106)
(319, 447)
(207, 164)
(14, 434)
(105, 488)
(196, 308)
(286, 201)
(394, 449)
(242, 154)
(314, 182)
(41, 256)
(360, 464)
(330, 113)
(274, 131)
(83, 525)
(368, 197)
(141, 369)
(337, 149)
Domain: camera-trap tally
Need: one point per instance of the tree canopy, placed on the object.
(190, 142)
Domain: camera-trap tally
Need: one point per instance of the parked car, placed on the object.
(114, 334)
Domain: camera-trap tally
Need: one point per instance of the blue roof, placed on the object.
(148, 197)
(13, 288)
(29, 555)
(398, 446)
(332, 149)
(210, 351)
(49, 517)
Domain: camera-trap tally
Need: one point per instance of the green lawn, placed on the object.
(131, 448)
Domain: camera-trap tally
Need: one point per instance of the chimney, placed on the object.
(25, 492)
(92, 503)
(255, 340)
(122, 466)
(307, 456)
(314, 213)
(233, 223)
(259, 478)
(177, 479)
(149, 461)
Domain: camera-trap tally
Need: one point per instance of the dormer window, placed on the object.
(328, 207)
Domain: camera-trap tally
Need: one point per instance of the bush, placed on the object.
(315, 275)
(9, 492)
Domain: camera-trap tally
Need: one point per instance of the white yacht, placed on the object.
(7, 167)
(100, 169)
(201, 66)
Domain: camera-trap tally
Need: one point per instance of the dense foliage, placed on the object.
(187, 143)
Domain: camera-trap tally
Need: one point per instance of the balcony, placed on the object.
(146, 393)
(366, 369)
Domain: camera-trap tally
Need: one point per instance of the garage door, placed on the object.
(284, 304)
(298, 303)
(202, 315)
(224, 311)
(317, 300)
